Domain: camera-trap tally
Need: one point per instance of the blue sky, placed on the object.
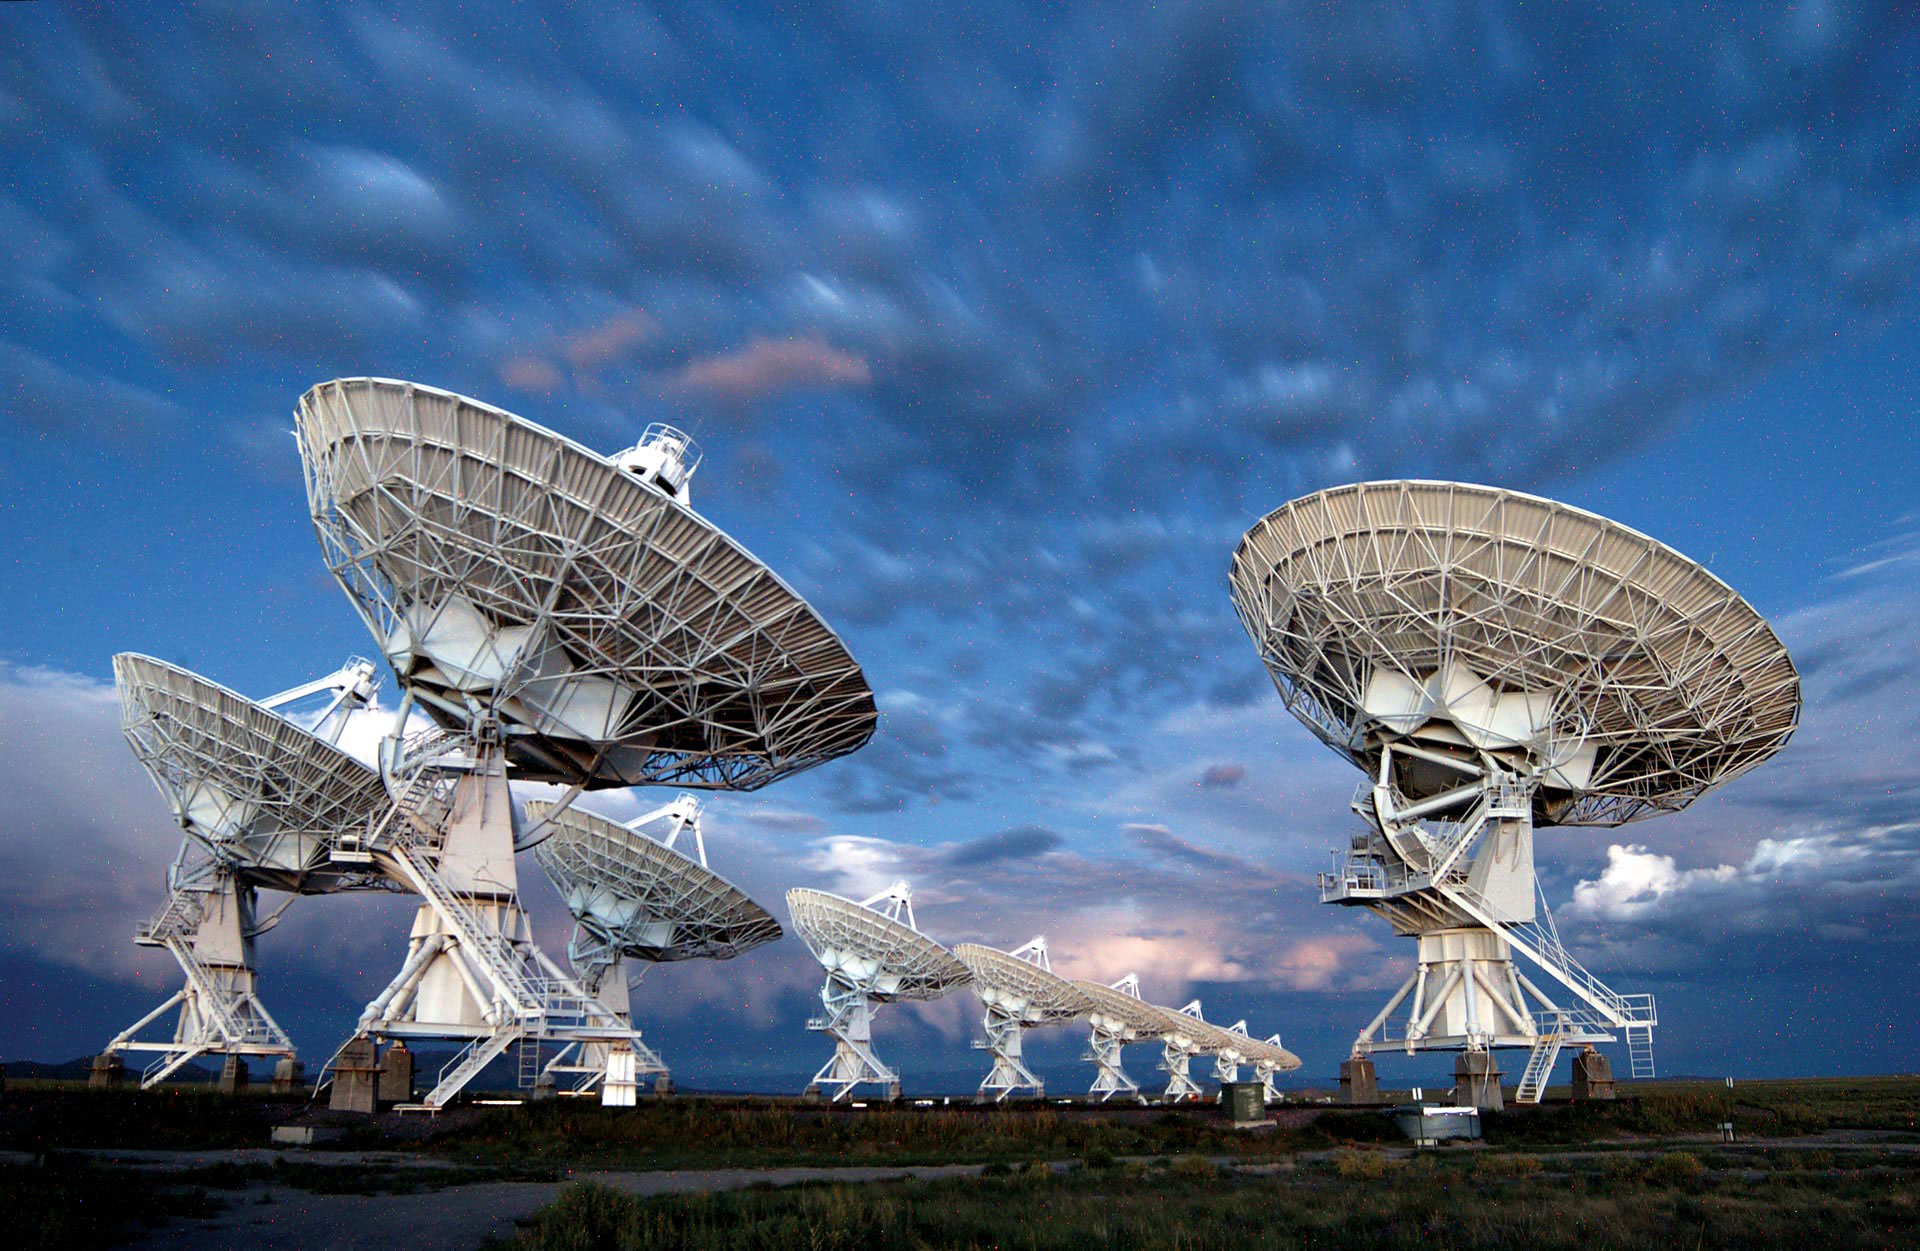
(1000, 326)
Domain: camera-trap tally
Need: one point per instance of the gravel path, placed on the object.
(455, 1219)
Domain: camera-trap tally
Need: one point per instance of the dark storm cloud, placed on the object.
(1223, 775)
(1020, 843)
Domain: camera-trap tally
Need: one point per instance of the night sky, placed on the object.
(1000, 324)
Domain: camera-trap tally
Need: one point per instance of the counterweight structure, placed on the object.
(261, 792)
(1496, 663)
(1018, 990)
(638, 900)
(873, 953)
(561, 617)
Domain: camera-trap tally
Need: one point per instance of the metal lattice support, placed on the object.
(1495, 662)
(1117, 1016)
(873, 953)
(208, 926)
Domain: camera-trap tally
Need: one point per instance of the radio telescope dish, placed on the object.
(1626, 676)
(1495, 662)
(262, 801)
(262, 794)
(1019, 990)
(1184, 1034)
(872, 956)
(1116, 1015)
(634, 897)
(616, 636)
(642, 898)
(563, 617)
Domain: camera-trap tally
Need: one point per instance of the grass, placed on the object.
(1398, 1201)
(708, 1133)
(74, 1206)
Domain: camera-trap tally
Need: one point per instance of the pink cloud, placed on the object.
(767, 366)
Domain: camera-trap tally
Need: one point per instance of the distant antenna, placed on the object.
(872, 957)
(1116, 1016)
(635, 898)
(1019, 990)
(561, 618)
(1496, 662)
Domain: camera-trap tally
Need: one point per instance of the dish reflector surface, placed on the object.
(646, 899)
(886, 958)
(1478, 619)
(1141, 1019)
(619, 637)
(259, 792)
(1024, 991)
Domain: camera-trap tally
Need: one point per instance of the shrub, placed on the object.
(1674, 1167)
(1361, 1164)
(1099, 1158)
(1198, 1167)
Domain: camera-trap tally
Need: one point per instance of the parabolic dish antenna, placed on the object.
(871, 957)
(635, 897)
(262, 801)
(617, 637)
(1485, 620)
(1116, 1016)
(1019, 990)
(1495, 662)
(564, 617)
(641, 898)
(260, 793)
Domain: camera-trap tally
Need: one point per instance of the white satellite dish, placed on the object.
(1495, 662)
(1019, 991)
(1117, 1015)
(262, 801)
(563, 617)
(873, 953)
(637, 898)
(1185, 1034)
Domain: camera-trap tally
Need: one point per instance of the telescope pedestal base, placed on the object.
(1592, 1076)
(1358, 1082)
(1476, 1082)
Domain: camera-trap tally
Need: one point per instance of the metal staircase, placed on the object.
(1540, 1061)
(1640, 1047)
(466, 1065)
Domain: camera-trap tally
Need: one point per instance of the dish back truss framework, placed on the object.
(1019, 990)
(563, 618)
(260, 800)
(638, 899)
(873, 953)
(1495, 662)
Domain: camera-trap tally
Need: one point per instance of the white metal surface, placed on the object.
(871, 956)
(617, 637)
(1496, 662)
(1018, 990)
